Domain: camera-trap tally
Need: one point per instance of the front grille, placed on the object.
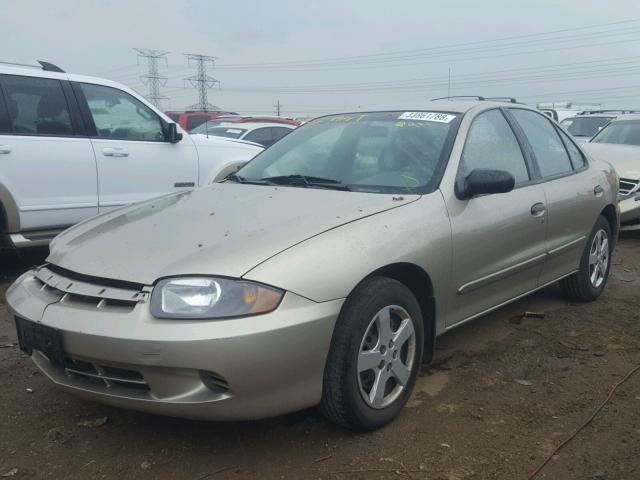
(628, 186)
(103, 375)
(88, 292)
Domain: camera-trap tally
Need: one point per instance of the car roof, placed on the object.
(598, 115)
(627, 117)
(251, 125)
(452, 106)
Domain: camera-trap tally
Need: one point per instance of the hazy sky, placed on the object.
(333, 55)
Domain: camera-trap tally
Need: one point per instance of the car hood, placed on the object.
(225, 229)
(624, 158)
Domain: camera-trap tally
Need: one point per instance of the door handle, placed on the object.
(4, 149)
(537, 209)
(115, 152)
(598, 190)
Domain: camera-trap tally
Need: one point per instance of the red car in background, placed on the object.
(235, 118)
(190, 119)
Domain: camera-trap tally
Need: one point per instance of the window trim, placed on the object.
(528, 166)
(565, 137)
(541, 179)
(92, 131)
(76, 127)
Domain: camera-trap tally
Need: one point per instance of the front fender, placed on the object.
(9, 209)
(330, 265)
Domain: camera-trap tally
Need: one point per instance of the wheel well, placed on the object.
(609, 212)
(419, 282)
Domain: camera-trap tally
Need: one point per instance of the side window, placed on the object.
(261, 136)
(279, 132)
(119, 116)
(577, 159)
(36, 106)
(547, 147)
(491, 144)
(5, 126)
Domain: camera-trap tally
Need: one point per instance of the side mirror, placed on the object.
(173, 135)
(483, 182)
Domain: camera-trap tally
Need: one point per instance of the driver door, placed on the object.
(135, 162)
(498, 239)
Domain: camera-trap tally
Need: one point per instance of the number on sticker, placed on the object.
(427, 116)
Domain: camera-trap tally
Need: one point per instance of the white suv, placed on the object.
(73, 146)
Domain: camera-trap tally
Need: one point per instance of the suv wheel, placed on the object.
(375, 355)
(588, 283)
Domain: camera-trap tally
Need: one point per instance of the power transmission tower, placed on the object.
(153, 78)
(201, 80)
(278, 108)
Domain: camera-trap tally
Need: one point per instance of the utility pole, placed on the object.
(201, 81)
(449, 84)
(278, 108)
(153, 78)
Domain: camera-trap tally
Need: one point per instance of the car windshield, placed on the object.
(584, 126)
(383, 152)
(626, 132)
(227, 132)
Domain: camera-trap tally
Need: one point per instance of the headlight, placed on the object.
(209, 297)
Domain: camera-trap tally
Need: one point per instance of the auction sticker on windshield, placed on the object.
(427, 116)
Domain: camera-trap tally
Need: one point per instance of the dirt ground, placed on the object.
(501, 394)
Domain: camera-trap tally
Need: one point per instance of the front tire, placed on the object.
(588, 283)
(375, 355)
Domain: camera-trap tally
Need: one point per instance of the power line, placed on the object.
(201, 80)
(448, 49)
(153, 79)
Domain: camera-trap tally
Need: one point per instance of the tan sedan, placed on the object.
(323, 271)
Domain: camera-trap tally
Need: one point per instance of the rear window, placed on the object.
(174, 116)
(194, 120)
(584, 126)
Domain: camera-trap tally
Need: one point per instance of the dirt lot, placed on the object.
(502, 393)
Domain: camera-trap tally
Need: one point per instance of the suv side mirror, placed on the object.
(173, 135)
(483, 182)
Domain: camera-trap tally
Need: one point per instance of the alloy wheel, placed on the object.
(386, 356)
(598, 258)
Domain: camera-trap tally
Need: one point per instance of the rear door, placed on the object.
(498, 240)
(46, 160)
(135, 161)
(573, 199)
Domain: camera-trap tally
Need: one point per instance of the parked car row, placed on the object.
(73, 146)
(262, 133)
(322, 272)
(619, 144)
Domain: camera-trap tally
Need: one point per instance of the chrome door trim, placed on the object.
(567, 246)
(506, 302)
(500, 274)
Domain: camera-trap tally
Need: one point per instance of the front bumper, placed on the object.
(233, 369)
(629, 210)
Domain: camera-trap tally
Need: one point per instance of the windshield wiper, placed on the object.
(234, 177)
(307, 181)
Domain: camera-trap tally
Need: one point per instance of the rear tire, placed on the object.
(375, 355)
(588, 283)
